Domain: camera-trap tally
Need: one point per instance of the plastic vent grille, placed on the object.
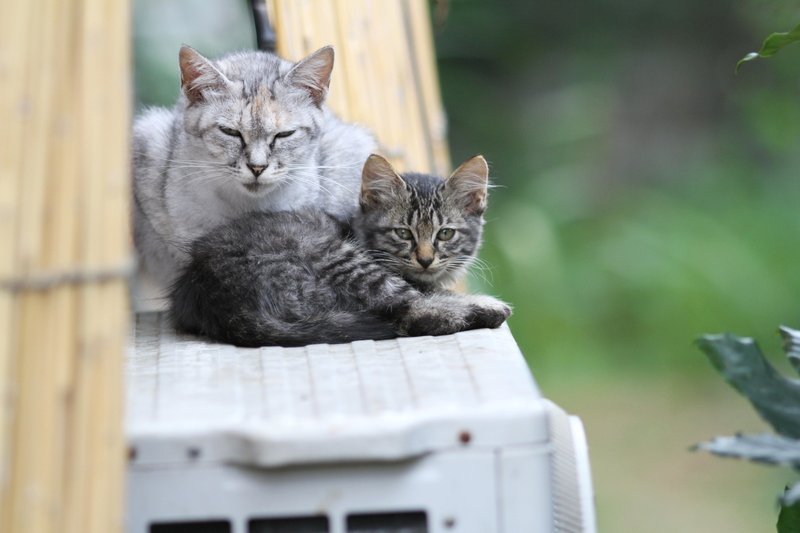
(299, 524)
(214, 526)
(567, 517)
(407, 522)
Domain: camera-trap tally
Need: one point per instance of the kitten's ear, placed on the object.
(379, 182)
(469, 184)
(314, 74)
(198, 75)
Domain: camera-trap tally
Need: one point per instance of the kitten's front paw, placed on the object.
(445, 313)
(418, 324)
(486, 312)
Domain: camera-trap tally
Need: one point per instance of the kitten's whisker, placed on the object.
(474, 265)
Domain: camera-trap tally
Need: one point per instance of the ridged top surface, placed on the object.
(365, 400)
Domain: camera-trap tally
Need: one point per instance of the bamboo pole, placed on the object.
(420, 42)
(385, 73)
(64, 192)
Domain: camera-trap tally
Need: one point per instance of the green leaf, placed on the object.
(791, 345)
(763, 448)
(772, 45)
(740, 361)
(789, 518)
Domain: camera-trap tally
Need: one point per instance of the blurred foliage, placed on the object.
(645, 194)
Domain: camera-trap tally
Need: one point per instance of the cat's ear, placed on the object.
(198, 76)
(469, 184)
(314, 74)
(379, 182)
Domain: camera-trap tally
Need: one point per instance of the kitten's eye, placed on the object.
(230, 131)
(404, 233)
(445, 234)
(283, 134)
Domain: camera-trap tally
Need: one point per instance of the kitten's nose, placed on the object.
(425, 262)
(256, 169)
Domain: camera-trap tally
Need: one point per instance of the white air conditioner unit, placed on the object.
(417, 435)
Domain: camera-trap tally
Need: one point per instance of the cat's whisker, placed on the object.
(185, 161)
(326, 167)
(189, 169)
(294, 178)
(204, 177)
(318, 178)
(206, 171)
(314, 180)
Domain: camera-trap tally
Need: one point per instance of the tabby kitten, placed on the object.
(296, 278)
(249, 132)
(425, 228)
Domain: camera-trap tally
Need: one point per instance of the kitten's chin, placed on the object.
(438, 278)
(442, 277)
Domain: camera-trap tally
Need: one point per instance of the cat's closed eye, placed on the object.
(230, 131)
(283, 134)
(445, 234)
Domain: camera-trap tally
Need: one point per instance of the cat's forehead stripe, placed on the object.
(262, 112)
(262, 102)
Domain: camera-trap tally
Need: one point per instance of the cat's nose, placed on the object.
(425, 262)
(256, 169)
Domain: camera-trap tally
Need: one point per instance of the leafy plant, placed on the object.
(775, 397)
(777, 400)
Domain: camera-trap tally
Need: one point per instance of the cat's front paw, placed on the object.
(486, 312)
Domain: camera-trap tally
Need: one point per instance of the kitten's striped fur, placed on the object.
(298, 278)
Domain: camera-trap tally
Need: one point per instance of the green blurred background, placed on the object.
(646, 195)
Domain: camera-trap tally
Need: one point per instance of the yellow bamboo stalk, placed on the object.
(401, 75)
(11, 90)
(420, 39)
(64, 103)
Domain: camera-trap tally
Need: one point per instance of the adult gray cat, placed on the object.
(296, 278)
(249, 132)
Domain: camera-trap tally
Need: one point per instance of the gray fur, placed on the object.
(295, 278)
(190, 176)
